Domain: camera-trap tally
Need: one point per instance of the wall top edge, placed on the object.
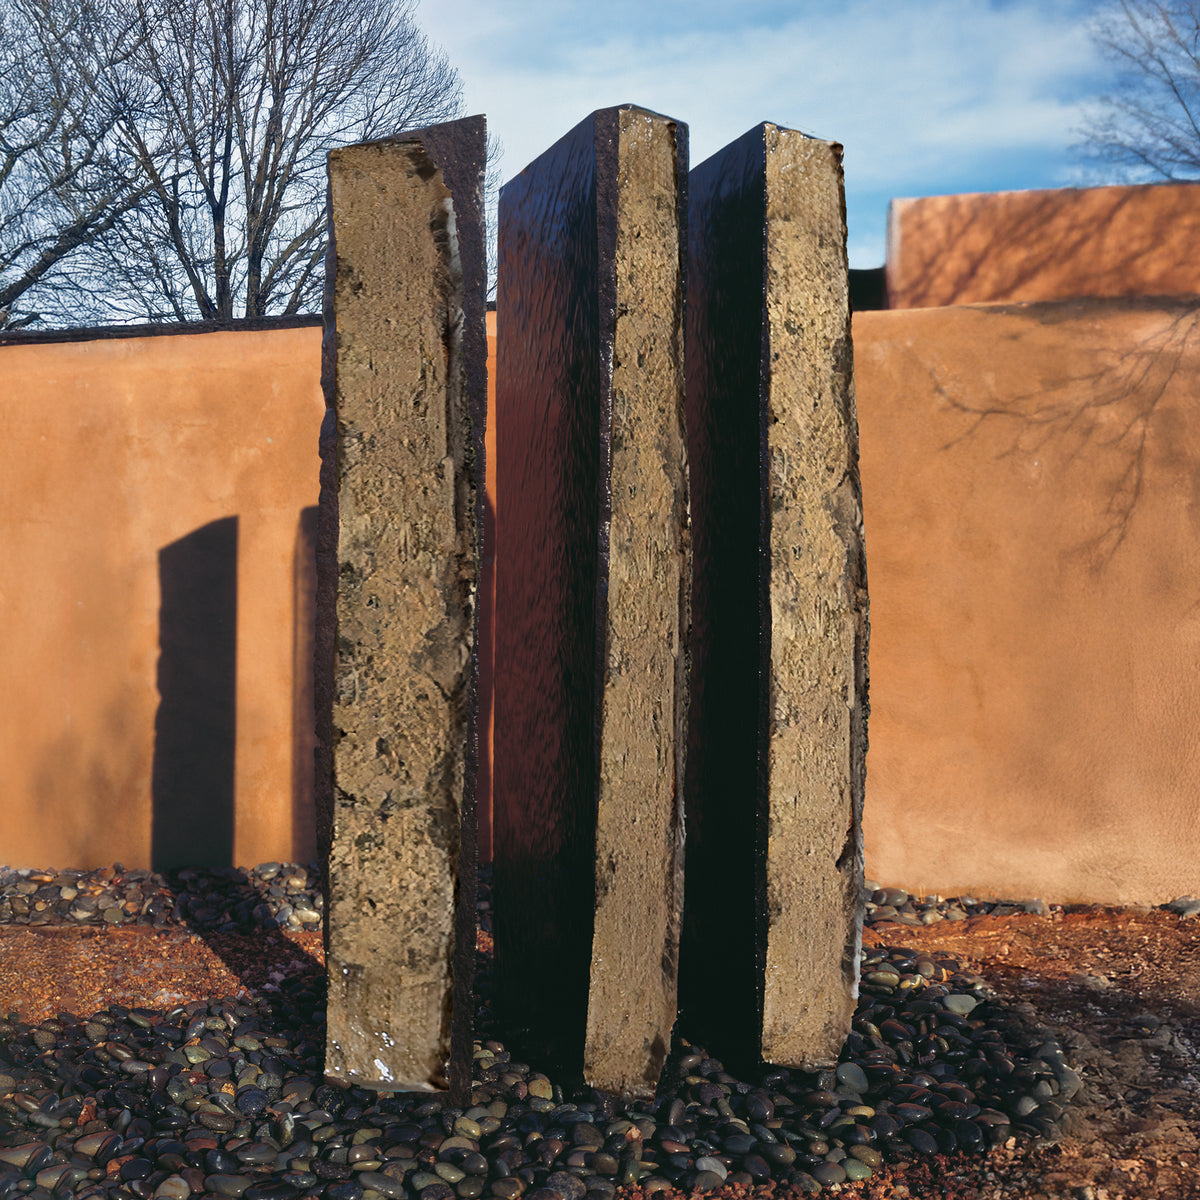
(906, 202)
(32, 337)
(1061, 308)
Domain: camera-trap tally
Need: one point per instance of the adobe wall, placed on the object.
(1044, 245)
(1031, 493)
(156, 519)
(1031, 559)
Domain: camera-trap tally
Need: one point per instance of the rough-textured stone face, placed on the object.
(816, 735)
(403, 734)
(631, 1004)
(591, 597)
(777, 741)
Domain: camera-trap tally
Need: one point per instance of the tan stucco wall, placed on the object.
(1031, 490)
(1044, 245)
(1035, 635)
(113, 451)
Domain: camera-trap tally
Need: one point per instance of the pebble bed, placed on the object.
(228, 900)
(226, 1098)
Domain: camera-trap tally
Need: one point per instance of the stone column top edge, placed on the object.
(642, 109)
(597, 118)
(759, 134)
(419, 136)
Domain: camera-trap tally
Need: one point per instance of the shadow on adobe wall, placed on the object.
(304, 740)
(195, 730)
(1018, 247)
(193, 783)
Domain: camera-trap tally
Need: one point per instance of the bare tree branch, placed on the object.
(231, 107)
(65, 180)
(1148, 128)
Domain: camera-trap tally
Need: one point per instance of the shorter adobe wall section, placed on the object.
(1001, 247)
(1033, 521)
(158, 491)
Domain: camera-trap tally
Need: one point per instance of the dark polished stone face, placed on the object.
(590, 289)
(552, 381)
(724, 914)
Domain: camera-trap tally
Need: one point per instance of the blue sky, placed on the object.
(927, 96)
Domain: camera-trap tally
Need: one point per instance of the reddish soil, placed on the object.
(1119, 989)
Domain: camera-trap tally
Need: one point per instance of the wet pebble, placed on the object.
(566, 1186)
(827, 1173)
(232, 900)
(225, 1098)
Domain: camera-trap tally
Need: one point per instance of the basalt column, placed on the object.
(409, 396)
(777, 737)
(592, 590)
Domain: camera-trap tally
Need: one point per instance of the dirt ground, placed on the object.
(1119, 989)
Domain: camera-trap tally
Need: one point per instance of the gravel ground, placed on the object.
(950, 1085)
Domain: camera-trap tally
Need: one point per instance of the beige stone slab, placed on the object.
(816, 736)
(639, 870)
(777, 738)
(405, 591)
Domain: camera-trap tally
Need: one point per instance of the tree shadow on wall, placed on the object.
(973, 250)
(1112, 408)
(195, 730)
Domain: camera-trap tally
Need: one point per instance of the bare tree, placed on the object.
(64, 178)
(231, 107)
(1149, 126)
(491, 196)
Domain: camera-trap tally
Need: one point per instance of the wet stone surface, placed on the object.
(226, 1098)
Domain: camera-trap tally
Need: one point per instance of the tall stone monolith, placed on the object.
(777, 739)
(592, 592)
(408, 380)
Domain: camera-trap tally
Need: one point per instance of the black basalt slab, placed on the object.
(777, 733)
(591, 598)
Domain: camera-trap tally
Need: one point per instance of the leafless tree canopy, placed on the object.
(1149, 127)
(64, 178)
(241, 101)
(221, 115)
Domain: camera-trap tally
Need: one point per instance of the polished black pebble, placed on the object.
(136, 1168)
(566, 1185)
(921, 1141)
(826, 1173)
(383, 1184)
(251, 1101)
(244, 1076)
(256, 1154)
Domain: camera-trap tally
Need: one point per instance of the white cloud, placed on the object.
(916, 90)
